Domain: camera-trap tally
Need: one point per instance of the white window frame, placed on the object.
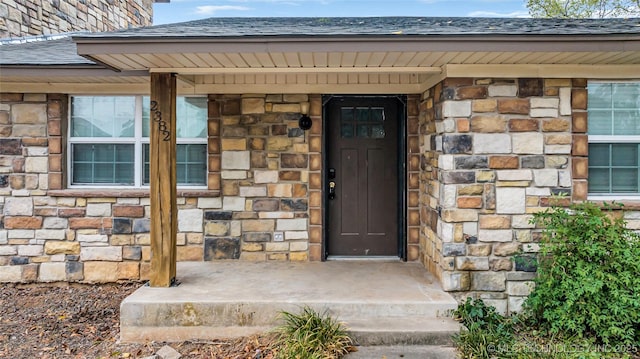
(611, 139)
(138, 141)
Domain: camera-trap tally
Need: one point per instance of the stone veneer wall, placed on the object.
(483, 155)
(42, 17)
(495, 151)
(268, 178)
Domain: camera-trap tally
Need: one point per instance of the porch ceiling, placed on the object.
(355, 56)
(407, 64)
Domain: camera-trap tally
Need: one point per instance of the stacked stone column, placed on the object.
(494, 151)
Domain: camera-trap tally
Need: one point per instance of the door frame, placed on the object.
(401, 170)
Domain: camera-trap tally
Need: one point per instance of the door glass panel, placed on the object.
(377, 114)
(362, 114)
(377, 131)
(346, 130)
(368, 121)
(347, 122)
(363, 131)
(347, 114)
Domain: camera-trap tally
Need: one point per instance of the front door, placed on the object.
(362, 176)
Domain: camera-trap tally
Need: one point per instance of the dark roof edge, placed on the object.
(354, 37)
(90, 49)
(62, 70)
(69, 66)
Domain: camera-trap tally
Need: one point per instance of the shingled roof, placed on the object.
(64, 51)
(378, 26)
(43, 52)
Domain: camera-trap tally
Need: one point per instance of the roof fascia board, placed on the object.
(351, 38)
(545, 71)
(351, 89)
(297, 70)
(203, 89)
(92, 46)
(77, 88)
(54, 71)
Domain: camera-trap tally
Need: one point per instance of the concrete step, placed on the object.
(381, 303)
(404, 352)
(185, 321)
(216, 313)
(408, 330)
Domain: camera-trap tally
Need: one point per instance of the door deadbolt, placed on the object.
(332, 189)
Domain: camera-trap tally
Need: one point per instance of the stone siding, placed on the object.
(270, 179)
(43, 17)
(483, 155)
(266, 182)
(495, 151)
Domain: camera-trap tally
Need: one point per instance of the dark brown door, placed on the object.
(362, 177)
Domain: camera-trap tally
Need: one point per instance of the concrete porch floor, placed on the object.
(382, 303)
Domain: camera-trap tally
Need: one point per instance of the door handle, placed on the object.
(332, 190)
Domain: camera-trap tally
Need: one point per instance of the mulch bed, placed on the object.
(82, 321)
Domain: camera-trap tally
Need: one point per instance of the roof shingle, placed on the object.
(63, 52)
(42, 53)
(379, 26)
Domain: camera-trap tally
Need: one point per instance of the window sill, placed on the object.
(125, 193)
(627, 202)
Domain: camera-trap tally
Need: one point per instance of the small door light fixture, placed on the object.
(305, 121)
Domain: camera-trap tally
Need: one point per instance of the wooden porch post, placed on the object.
(162, 156)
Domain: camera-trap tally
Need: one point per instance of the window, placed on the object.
(109, 141)
(362, 122)
(614, 138)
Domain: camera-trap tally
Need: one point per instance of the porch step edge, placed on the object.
(144, 334)
(372, 331)
(403, 351)
(382, 338)
(403, 331)
(215, 314)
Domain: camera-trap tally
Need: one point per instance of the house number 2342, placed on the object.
(162, 125)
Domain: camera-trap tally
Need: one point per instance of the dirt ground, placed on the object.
(82, 321)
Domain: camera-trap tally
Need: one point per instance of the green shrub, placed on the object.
(310, 335)
(588, 282)
(486, 332)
